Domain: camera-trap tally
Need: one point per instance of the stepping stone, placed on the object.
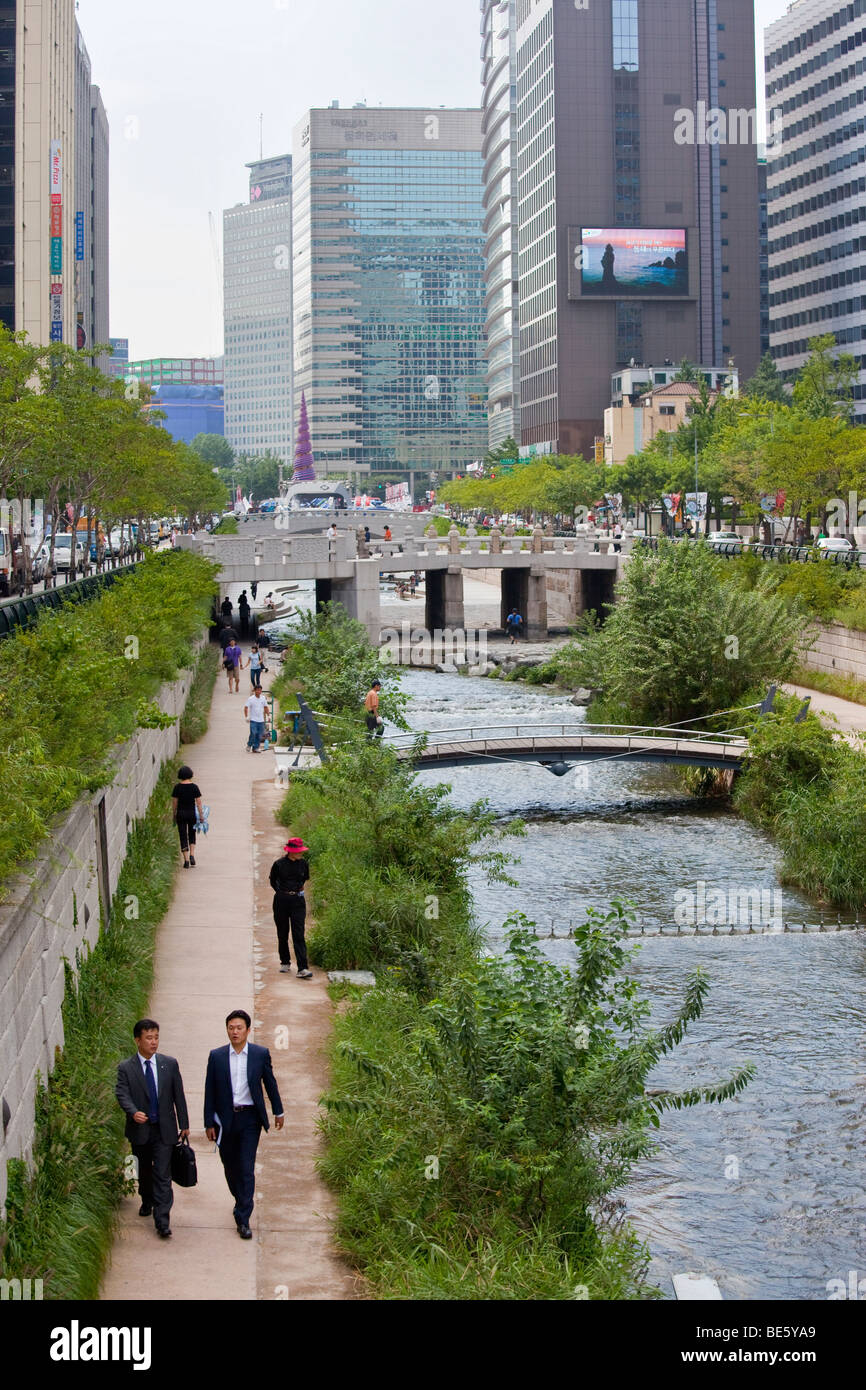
(364, 978)
(690, 1287)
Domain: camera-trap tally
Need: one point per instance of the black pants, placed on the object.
(238, 1155)
(374, 728)
(154, 1177)
(186, 831)
(290, 910)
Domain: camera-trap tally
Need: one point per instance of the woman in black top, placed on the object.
(185, 799)
(287, 878)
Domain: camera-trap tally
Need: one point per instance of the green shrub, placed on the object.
(194, 720)
(81, 681)
(476, 1137)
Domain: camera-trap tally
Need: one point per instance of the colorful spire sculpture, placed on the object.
(305, 464)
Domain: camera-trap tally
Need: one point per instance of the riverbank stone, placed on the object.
(365, 978)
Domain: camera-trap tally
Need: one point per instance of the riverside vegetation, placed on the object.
(691, 635)
(81, 680)
(60, 1213)
(483, 1111)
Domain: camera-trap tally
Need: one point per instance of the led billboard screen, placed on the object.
(624, 262)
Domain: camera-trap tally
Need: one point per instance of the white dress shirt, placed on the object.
(241, 1094)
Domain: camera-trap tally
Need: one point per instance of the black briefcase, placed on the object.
(183, 1169)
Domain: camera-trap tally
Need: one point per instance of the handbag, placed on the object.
(183, 1169)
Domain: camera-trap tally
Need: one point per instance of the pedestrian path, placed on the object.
(216, 951)
(850, 717)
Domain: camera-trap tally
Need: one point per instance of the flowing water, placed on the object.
(765, 1192)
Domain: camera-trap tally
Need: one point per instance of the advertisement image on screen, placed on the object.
(628, 261)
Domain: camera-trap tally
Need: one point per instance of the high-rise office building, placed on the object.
(49, 286)
(763, 261)
(814, 65)
(389, 287)
(637, 199)
(257, 281)
(89, 268)
(499, 151)
(118, 362)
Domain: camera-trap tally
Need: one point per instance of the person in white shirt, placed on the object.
(331, 532)
(235, 1112)
(256, 711)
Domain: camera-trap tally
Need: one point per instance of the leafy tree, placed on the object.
(681, 642)
(767, 384)
(508, 449)
(824, 385)
(687, 372)
(214, 449)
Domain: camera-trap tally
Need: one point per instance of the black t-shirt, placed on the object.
(187, 794)
(289, 875)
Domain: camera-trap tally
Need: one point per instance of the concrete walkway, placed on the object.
(216, 951)
(850, 717)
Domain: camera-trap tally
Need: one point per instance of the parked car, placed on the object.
(828, 544)
(720, 538)
(63, 552)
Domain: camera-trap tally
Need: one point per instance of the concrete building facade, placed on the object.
(257, 282)
(499, 151)
(815, 62)
(388, 272)
(53, 178)
(637, 199)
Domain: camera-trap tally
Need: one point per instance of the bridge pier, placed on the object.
(526, 590)
(443, 601)
(358, 595)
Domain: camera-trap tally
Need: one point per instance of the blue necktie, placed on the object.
(151, 1086)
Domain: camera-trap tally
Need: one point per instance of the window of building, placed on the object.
(625, 35)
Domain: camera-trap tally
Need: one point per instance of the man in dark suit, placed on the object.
(235, 1113)
(150, 1091)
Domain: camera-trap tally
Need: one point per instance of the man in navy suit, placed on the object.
(235, 1113)
(150, 1091)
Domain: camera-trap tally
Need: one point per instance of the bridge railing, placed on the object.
(489, 733)
(776, 551)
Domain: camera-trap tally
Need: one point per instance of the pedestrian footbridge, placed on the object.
(555, 746)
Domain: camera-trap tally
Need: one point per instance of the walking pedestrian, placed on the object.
(513, 624)
(287, 878)
(226, 608)
(255, 665)
(185, 801)
(375, 727)
(367, 534)
(233, 661)
(235, 1112)
(264, 645)
(256, 712)
(244, 613)
(149, 1090)
(254, 589)
(227, 635)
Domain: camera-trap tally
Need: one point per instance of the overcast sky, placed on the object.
(184, 83)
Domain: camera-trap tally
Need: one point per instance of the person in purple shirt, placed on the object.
(233, 660)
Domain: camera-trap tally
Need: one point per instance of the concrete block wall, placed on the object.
(52, 910)
(837, 649)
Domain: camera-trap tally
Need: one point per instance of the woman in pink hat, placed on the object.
(287, 878)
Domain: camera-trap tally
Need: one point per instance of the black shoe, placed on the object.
(145, 1209)
(244, 1232)
(192, 860)
(164, 1231)
(186, 863)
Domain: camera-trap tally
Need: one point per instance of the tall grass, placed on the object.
(60, 1220)
(194, 720)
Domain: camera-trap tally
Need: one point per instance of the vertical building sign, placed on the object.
(56, 223)
(79, 236)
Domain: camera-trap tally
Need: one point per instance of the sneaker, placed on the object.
(285, 969)
(305, 974)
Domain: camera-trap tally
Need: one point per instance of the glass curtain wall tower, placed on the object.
(499, 134)
(389, 288)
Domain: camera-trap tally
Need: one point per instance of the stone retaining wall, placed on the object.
(837, 649)
(563, 591)
(53, 909)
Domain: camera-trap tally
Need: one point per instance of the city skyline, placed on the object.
(164, 101)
